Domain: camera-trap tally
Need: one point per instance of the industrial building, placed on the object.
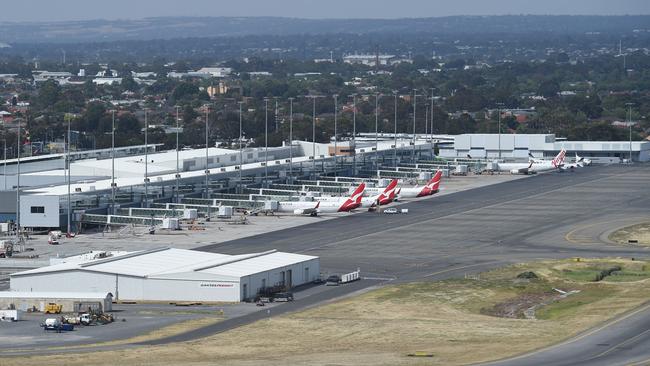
(174, 275)
(69, 301)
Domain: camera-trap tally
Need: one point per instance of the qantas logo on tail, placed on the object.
(432, 186)
(559, 159)
(355, 199)
(389, 193)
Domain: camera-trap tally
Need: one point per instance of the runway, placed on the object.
(474, 230)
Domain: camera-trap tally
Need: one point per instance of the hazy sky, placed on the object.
(58, 10)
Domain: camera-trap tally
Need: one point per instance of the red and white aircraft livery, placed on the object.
(387, 196)
(432, 187)
(533, 165)
(339, 204)
(343, 204)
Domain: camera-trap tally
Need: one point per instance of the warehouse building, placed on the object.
(166, 274)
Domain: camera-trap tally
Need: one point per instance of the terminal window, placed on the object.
(38, 209)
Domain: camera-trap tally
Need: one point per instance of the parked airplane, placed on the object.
(341, 204)
(584, 161)
(325, 205)
(533, 165)
(298, 207)
(430, 188)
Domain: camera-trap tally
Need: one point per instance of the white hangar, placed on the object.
(174, 275)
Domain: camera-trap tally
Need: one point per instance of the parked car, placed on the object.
(391, 211)
(283, 297)
(333, 280)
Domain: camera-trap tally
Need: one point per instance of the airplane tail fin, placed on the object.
(317, 205)
(358, 193)
(391, 186)
(434, 183)
(559, 159)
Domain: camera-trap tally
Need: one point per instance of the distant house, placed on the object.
(6, 117)
(369, 60)
(107, 81)
(215, 72)
(60, 76)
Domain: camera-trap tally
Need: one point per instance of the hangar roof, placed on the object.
(52, 295)
(171, 263)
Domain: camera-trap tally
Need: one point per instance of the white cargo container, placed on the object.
(461, 170)
(170, 223)
(225, 211)
(10, 315)
(271, 205)
(190, 214)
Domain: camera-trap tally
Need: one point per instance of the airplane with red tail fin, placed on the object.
(432, 187)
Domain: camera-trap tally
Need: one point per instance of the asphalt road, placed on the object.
(487, 227)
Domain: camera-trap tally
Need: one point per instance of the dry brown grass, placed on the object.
(380, 327)
(640, 232)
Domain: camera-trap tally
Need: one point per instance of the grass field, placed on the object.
(640, 232)
(454, 320)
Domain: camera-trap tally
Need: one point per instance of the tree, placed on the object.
(129, 84)
(548, 88)
(49, 93)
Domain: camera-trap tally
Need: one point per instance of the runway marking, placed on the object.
(628, 341)
(645, 362)
(571, 233)
(576, 338)
(461, 267)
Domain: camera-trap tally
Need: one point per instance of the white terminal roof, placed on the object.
(105, 164)
(180, 263)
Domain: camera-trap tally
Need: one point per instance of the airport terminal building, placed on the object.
(540, 145)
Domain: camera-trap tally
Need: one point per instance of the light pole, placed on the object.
(313, 134)
(354, 134)
(266, 141)
(18, 183)
(146, 158)
(291, 138)
(432, 105)
(207, 168)
(178, 173)
(376, 130)
(499, 105)
(241, 152)
(336, 138)
(4, 168)
(629, 123)
(277, 126)
(395, 132)
(69, 195)
(415, 100)
(426, 116)
(113, 162)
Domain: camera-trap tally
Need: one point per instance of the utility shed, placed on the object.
(71, 301)
(175, 275)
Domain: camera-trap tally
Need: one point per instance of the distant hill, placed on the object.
(182, 27)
